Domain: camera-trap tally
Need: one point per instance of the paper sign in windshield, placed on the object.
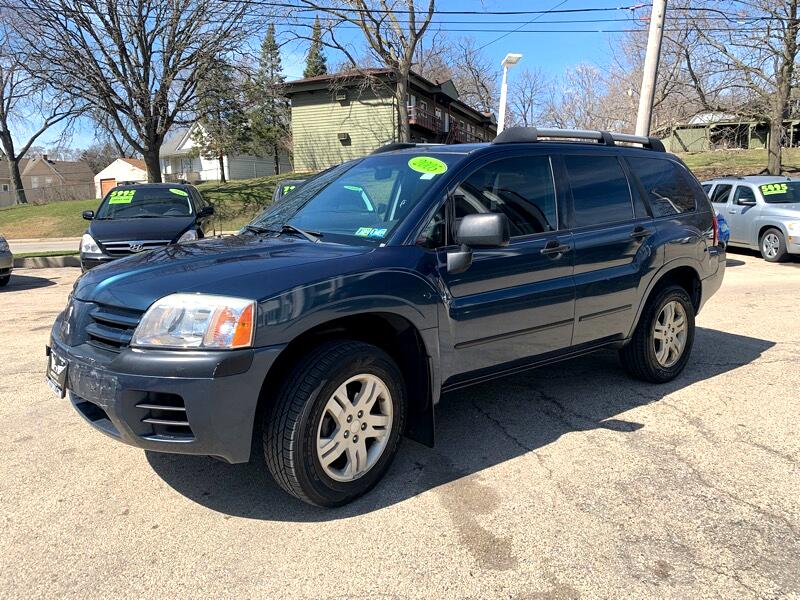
(371, 232)
(121, 196)
(428, 166)
(178, 192)
(769, 189)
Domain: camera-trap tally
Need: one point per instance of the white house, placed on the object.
(178, 161)
(122, 169)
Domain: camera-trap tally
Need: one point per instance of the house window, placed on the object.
(447, 121)
(186, 165)
(38, 181)
(423, 105)
(5, 187)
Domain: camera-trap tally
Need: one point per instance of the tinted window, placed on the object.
(743, 193)
(145, 202)
(667, 188)
(721, 194)
(520, 187)
(707, 188)
(600, 190)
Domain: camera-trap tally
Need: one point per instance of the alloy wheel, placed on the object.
(669, 334)
(771, 245)
(354, 428)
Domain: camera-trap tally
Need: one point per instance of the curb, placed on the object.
(47, 262)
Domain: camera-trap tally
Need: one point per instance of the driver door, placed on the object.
(515, 302)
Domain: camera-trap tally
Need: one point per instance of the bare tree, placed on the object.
(27, 110)
(528, 97)
(392, 30)
(137, 61)
(747, 65)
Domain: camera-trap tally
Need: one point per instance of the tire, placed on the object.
(4, 280)
(772, 245)
(301, 415)
(643, 356)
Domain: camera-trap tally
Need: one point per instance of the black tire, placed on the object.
(4, 280)
(639, 355)
(290, 425)
(781, 254)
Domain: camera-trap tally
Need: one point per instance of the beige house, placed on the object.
(340, 117)
(121, 170)
(46, 180)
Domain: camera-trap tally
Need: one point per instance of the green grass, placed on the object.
(235, 203)
(718, 163)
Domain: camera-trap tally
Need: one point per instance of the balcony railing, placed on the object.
(459, 135)
(423, 118)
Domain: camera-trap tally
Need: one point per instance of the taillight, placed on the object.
(716, 228)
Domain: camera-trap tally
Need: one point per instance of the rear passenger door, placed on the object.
(611, 231)
(518, 301)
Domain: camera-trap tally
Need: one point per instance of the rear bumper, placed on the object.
(166, 401)
(710, 285)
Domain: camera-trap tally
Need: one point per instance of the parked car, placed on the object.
(763, 213)
(6, 262)
(139, 217)
(331, 326)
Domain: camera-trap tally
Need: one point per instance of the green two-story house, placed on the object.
(343, 116)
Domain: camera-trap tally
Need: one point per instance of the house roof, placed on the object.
(172, 145)
(135, 162)
(77, 171)
(351, 77)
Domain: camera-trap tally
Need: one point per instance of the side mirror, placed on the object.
(489, 230)
(88, 215)
(206, 212)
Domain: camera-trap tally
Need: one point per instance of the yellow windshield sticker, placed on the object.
(178, 192)
(768, 189)
(427, 165)
(288, 188)
(121, 196)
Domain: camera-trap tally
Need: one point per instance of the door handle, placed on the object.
(732, 211)
(641, 233)
(554, 249)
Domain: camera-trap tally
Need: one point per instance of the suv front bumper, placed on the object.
(185, 402)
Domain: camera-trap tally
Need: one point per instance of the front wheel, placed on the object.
(4, 280)
(336, 424)
(773, 245)
(662, 342)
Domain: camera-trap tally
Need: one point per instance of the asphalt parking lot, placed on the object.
(568, 482)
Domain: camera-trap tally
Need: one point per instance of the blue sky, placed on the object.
(551, 52)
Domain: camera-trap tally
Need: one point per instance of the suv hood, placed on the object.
(123, 230)
(241, 265)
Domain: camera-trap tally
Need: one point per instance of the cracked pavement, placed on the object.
(571, 481)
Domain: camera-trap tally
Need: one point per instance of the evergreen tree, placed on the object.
(316, 64)
(222, 127)
(269, 108)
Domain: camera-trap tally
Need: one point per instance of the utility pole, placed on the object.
(644, 117)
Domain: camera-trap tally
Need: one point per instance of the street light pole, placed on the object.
(509, 61)
(645, 115)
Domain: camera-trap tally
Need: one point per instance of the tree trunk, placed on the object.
(153, 164)
(277, 157)
(401, 96)
(16, 181)
(774, 149)
(221, 159)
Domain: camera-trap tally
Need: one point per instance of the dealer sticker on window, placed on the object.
(178, 192)
(427, 165)
(121, 196)
(372, 232)
(768, 189)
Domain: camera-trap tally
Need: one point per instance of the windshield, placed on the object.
(785, 192)
(139, 203)
(362, 201)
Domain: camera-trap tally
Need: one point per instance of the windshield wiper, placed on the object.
(257, 229)
(311, 236)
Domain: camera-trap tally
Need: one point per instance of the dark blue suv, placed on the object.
(329, 327)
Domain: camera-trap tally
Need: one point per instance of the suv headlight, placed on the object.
(88, 245)
(197, 321)
(188, 236)
(3, 245)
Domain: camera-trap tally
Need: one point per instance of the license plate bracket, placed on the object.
(57, 368)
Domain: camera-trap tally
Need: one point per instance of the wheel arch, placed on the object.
(763, 227)
(411, 348)
(681, 273)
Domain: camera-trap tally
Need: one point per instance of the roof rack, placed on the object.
(527, 135)
(402, 146)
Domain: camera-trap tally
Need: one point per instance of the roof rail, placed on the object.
(402, 146)
(527, 135)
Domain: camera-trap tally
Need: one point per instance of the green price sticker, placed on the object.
(178, 192)
(769, 189)
(288, 188)
(364, 231)
(353, 188)
(121, 196)
(427, 165)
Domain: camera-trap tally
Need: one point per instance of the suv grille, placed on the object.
(132, 247)
(111, 328)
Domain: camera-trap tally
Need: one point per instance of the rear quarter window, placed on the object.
(667, 188)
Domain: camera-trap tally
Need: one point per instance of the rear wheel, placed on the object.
(4, 280)
(335, 427)
(773, 245)
(662, 342)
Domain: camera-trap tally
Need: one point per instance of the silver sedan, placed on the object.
(763, 213)
(6, 262)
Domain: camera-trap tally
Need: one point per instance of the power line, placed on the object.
(505, 35)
